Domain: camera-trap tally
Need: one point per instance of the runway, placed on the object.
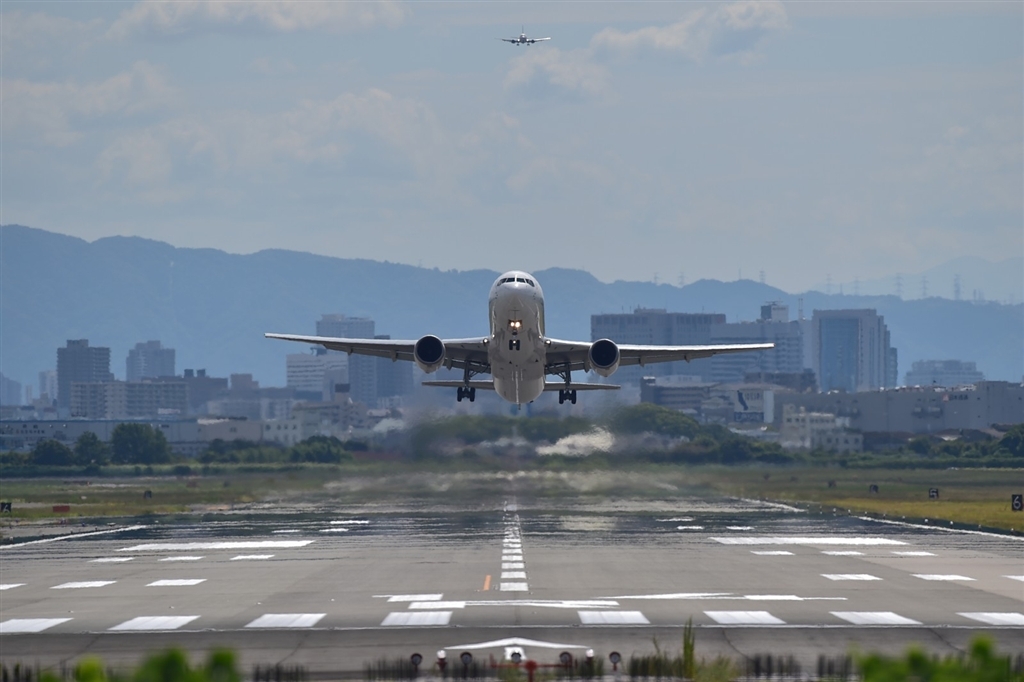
(335, 588)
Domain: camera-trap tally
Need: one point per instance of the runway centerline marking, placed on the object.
(771, 552)
(155, 623)
(286, 620)
(842, 552)
(83, 584)
(181, 558)
(112, 560)
(612, 618)
(744, 618)
(996, 618)
(178, 582)
(913, 553)
(29, 624)
(939, 576)
(806, 540)
(251, 557)
(190, 546)
(10, 586)
(410, 597)
(850, 576)
(402, 618)
(874, 618)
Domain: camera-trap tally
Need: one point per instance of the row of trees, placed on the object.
(129, 444)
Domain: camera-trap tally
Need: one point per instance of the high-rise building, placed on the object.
(394, 377)
(657, 327)
(79, 361)
(362, 369)
(311, 374)
(10, 391)
(149, 360)
(773, 327)
(853, 350)
(947, 373)
(128, 399)
(48, 385)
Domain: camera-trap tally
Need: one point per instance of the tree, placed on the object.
(89, 449)
(1013, 441)
(52, 453)
(139, 444)
(651, 418)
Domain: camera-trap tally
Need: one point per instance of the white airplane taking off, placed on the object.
(523, 39)
(518, 354)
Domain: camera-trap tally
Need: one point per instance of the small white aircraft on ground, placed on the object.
(517, 354)
(523, 39)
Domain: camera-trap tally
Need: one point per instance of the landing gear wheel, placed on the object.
(565, 394)
(459, 395)
(471, 393)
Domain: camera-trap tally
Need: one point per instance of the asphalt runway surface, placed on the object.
(335, 589)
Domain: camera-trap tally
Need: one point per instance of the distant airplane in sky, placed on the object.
(517, 354)
(523, 39)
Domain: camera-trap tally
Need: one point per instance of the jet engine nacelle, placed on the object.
(429, 353)
(604, 357)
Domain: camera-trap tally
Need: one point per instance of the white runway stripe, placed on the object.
(744, 618)
(82, 585)
(771, 552)
(399, 618)
(286, 620)
(808, 540)
(849, 576)
(939, 576)
(414, 597)
(180, 582)
(512, 565)
(181, 558)
(112, 560)
(513, 575)
(997, 618)
(10, 586)
(913, 554)
(29, 624)
(513, 587)
(613, 618)
(843, 552)
(874, 618)
(192, 546)
(251, 557)
(155, 623)
(1015, 577)
(435, 605)
(689, 527)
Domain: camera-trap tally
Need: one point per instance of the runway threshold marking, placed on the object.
(155, 623)
(487, 583)
(996, 618)
(612, 618)
(29, 624)
(286, 620)
(874, 618)
(744, 618)
(400, 618)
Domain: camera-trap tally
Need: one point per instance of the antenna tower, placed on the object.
(761, 276)
(899, 285)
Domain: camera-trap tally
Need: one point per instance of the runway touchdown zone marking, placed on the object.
(936, 576)
(155, 623)
(181, 558)
(286, 620)
(874, 618)
(850, 576)
(996, 618)
(83, 585)
(181, 582)
(612, 618)
(744, 618)
(15, 625)
(400, 618)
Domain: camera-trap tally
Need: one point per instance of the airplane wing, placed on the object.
(458, 353)
(537, 40)
(508, 40)
(549, 386)
(572, 355)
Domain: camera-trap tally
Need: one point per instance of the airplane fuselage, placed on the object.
(516, 351)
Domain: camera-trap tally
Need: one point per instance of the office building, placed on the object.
(948, 373)
(394, 377)
(775, 327)
(852, 351)
(48, 386)
(310, 374)
(10, 391)
(149, 360)
(80, 362)
(657, 327)
(128, 399)
(362, 369)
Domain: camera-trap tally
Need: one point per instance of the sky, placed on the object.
(666, 141)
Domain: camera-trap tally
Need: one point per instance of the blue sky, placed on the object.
(647, 139)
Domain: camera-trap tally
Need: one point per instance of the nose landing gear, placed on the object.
(466, 392)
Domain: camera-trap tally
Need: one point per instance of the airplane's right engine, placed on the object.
(604, 357)
(429, 353)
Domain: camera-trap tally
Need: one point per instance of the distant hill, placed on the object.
(213, 307)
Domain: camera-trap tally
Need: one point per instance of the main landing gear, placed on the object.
(467, 392)
(566, 394)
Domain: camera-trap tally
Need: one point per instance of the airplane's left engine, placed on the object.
(603, 357)
(429, 353)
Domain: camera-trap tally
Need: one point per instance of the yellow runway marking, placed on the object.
(487, 583)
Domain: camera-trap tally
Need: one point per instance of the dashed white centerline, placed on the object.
(286, 620)
(10, 586)
(181, 558)
(155, 623)
(181, 582)
(83, 585)
(913, 554)
(112, 560)
(874, 618)
(613, 618)
(251, 557)
(939, 576)
(771, 552)
(849, 576)
(400, 618)
(996, 618)
(843, 552)
(744, 618)
(15, 625)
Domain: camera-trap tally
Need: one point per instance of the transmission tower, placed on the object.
(899, 286)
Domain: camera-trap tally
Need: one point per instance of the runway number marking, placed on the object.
(996, 618)
(874, 618)
(612, 618)
(29, 624)
(286, 620)
(744, 618)
(155, 623)
(401, 618)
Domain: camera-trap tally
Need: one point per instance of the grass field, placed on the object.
(971, 497)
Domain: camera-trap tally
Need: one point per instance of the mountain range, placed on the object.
(213, 307)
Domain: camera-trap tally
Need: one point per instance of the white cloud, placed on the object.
(732, 29)
(49, 108)
(186, 16)
(573, 71)
(20, 31)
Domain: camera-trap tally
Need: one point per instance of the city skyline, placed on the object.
(841, 142)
